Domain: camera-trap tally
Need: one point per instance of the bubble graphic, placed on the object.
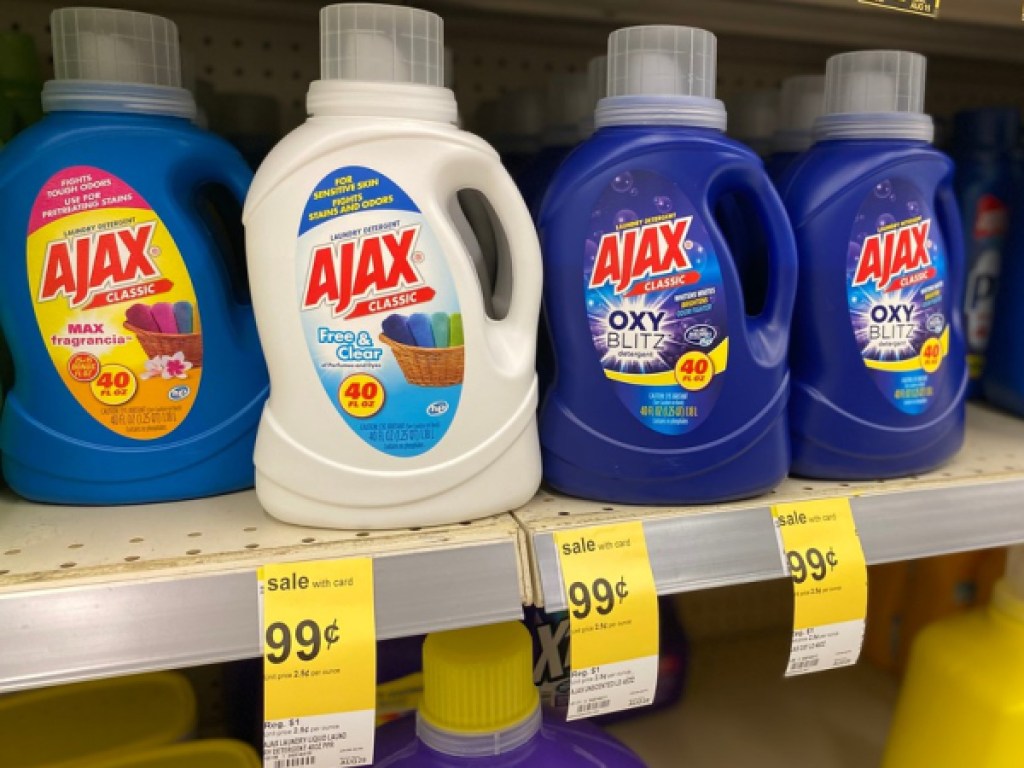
(913, 208)
(597, 234)
(883, 189)
(885, 220)
(625, 216)
(861, 218)
(623, 182)
(589, 249)
(853, 251)
(662, 204)
(634, 192)
(860, 237)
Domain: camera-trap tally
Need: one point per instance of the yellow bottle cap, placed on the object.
(478, 680)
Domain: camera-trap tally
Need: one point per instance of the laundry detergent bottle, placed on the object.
(664, 390)
(480, 708)
(397, 398)
(802, 102)
(138, 373)
(984, 150)
(878, 356)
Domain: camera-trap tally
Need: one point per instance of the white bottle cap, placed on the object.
(597, 89)
(875, 94)
(754, 118)
(662, 75)
(101, 55)
(381, 44)
(568, 102)
(802, 102)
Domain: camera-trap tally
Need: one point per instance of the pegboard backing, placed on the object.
(272, 48)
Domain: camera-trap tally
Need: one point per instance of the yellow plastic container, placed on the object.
(70, 725)
(962, 703)
(215, 753)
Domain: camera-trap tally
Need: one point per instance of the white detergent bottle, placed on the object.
(396, 399)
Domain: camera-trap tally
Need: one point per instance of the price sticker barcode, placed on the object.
(319, 663)
(822, 553)
(917, 7)
(613, 618)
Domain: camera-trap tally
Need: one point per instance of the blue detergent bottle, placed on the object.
(984, 150)
(567, 103)
(802, 101)
(665, 390)
(878, 356)
(138, 373)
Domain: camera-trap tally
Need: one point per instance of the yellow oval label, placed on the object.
(114, 303)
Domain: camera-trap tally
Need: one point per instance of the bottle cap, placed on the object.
(568, 101)
(662, 75)
(875, 94)
(478, 692)
(115, 60)
(381, 44)
(801, 103)
(754, 117)
(597, 89)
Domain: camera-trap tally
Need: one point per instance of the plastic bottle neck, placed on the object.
(686, 111)
(122, 98)
(352, 98)
(911, 126)
(478, 744)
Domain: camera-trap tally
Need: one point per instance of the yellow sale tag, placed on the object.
(822, 553)
(320, 662)
(917, 7)
(613, 618)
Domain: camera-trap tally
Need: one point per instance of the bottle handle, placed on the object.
(472, 169)
(949, 221)
(771, 326)
(209, 161)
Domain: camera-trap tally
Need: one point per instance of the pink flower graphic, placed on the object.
(167, 366)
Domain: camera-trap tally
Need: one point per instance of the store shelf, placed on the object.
(92, 592)
(972, 503)
(740, 711)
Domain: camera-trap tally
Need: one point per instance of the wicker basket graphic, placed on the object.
(154, 344)
(428, 367)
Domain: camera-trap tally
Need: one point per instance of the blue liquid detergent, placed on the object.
(877, 353)
(983, 150)
(101, 222)
(665, 391)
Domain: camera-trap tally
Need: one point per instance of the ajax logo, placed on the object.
(179, 392)
(437, 408)
(701, 335)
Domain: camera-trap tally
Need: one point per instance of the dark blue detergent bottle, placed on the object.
(878, 357)
(138, 373)
(801, 103)
(567, 103)
(665, 390)
(984, 144)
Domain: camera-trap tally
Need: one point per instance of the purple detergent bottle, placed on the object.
(480, 709)
(878, 352)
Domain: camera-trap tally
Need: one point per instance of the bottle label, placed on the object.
(991, 223)
(896, 289)
(655, 302)
(114, 303)
(379, 311)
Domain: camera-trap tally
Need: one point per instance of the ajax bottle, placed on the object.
(984, 150)
(480, 707)
(665, 390)
(878, 352)
(397, 399)
(138, 374)
(802, 102)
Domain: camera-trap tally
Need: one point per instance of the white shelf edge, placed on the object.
(702, 551)
(65, 634)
